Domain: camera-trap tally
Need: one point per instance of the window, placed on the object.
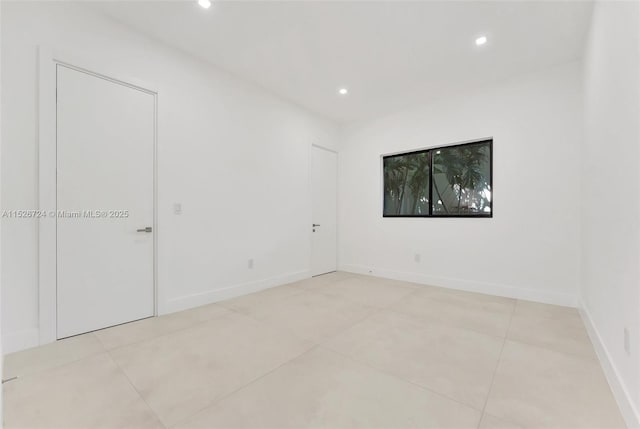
(406, 184)
(449, 181)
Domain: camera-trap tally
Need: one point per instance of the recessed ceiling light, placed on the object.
(481, 40)
(343, 91)
(205, 3)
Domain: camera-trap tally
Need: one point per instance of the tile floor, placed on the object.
(336, 351)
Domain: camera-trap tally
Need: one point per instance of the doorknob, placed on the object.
(145, 229)
(315, 224)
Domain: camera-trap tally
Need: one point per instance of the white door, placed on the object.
(105, 162)
(324, 189)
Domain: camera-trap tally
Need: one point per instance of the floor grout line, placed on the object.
(72, 361)
(390, 374)
(347, 328)
(271, 325)
(585, 359)
(280, 328)
(423, 322)
(495, 370)
(244, 386)
(133, 386)
(410, 291)
(165, 334)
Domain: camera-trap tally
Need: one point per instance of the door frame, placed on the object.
(48, 61)
(311, 221)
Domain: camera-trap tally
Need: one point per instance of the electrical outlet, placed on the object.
(627, 341)
(250, 263)
(416, 257)
(177, 208)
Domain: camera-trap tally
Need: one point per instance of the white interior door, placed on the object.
(105, 175)
(324, 193)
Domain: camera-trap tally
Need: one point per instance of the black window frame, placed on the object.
(429, 151)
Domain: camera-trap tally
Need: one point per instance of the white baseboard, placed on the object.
(629, 411)
(209, 297)
(16, 341)
(546, 297)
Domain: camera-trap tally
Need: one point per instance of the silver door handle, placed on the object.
(145, 229)
(315, 224)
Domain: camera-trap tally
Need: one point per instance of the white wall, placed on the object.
(236, 158)
(610, 286)
(530, 248)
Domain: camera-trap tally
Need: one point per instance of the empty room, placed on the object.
(320, 214)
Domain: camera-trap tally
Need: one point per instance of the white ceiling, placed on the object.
(390, 54)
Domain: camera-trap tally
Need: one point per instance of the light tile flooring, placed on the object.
(336, 351)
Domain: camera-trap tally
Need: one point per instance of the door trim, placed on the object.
(48, 61)
(311, 221)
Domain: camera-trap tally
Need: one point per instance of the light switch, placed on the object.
(177, 208)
